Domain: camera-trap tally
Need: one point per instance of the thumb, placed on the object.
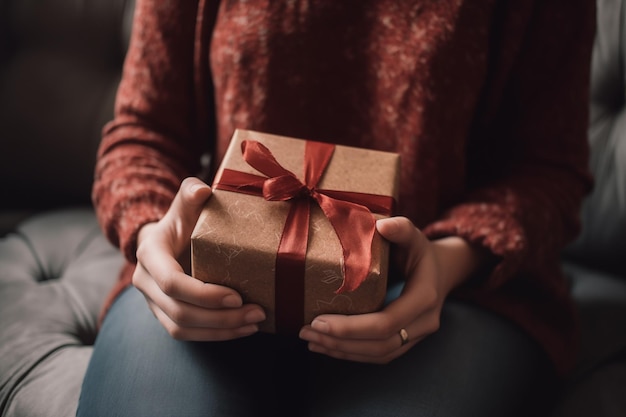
(409, 239)
(399, 230)
(187, 206)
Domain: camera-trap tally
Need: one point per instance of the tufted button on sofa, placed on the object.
(60, 63)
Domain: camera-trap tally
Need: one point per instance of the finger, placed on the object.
(349, 356)
(365, 350)
(173, 282)
(373, 337)
(369, 326)
(200, 333)
(399, 230)
(416, 305)
(374, 348)
(362, 354)
(417, 263)
(187, 315)
(403, 233)
(185, 210)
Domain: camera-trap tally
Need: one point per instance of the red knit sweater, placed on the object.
(486, 102)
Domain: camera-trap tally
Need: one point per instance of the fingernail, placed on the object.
(231, 301)
(248, 330)
(316, 348)
(198, 186)
(320, 326)
(254, 316)
(304, 334)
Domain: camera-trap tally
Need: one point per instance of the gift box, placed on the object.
(291, 227)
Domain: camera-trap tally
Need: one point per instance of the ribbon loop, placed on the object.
(259, 157)
(283, 188)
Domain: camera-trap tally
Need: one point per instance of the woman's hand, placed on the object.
(188, 308)
(432, 270)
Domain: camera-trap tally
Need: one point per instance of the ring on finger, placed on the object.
(404, 337)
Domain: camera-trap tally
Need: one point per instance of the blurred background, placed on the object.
(60, 63)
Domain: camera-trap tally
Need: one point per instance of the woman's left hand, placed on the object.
(432, 270)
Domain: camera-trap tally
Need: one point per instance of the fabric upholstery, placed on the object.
(60, 63)
(56, 270)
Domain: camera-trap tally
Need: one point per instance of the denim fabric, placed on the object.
(477, 364)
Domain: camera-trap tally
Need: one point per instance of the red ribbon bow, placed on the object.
(350, 214)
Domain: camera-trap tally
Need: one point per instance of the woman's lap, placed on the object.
(475, 365)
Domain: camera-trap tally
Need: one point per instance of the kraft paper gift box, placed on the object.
(264, 233)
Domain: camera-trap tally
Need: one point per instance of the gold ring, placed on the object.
(404, 337)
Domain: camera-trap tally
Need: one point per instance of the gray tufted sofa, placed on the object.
(59, 67)
(60, 64)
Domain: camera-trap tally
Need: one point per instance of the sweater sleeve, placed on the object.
(528, 153)
(152, 142)
(528, 170)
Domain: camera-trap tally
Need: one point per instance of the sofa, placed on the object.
(60, 63)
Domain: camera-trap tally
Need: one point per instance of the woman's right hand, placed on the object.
(188, 308)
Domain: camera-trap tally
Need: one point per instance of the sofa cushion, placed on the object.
(57, 269)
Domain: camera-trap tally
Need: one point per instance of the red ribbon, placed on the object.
(350, 214)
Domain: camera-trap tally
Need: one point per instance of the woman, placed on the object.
(487, 104)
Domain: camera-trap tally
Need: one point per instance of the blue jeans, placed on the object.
(477, 364)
